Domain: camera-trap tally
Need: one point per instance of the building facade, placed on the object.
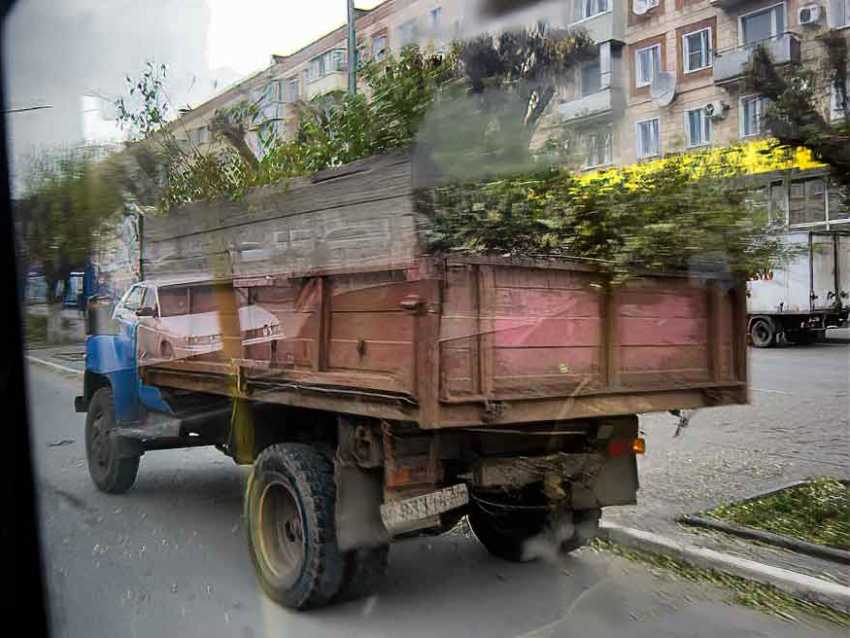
(667, 78)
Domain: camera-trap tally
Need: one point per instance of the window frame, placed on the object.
(803, 181)
(410, 29)
(776, 33)
(607, 134)
(638, 124)
(598, 62)
(743, 120)
(382, 54)
(289, 81)
(436, 16)
(706, 128)
(708, 55)
(587, 16)
(830, 9)
(638, 83)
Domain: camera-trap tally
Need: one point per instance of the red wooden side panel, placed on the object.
(663, 333)
(295, 303)
(369, 330)
(509, 331)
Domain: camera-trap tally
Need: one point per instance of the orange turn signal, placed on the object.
(622, 447)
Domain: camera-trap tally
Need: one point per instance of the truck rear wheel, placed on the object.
(289, 505)
(506, 531)
(364, 570)
(762, 333)
(110, 472)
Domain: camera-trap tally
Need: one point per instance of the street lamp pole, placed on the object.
(352, 49)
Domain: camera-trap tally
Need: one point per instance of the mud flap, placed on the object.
(359, 494)
(241, 440)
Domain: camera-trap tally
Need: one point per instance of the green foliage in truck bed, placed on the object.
(688, 213)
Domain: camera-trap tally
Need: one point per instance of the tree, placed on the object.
(69, 193)
(484, 122)
(799, 113)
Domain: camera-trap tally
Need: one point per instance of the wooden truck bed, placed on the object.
(371, 325)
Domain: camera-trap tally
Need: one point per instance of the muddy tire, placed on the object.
(365, 569)
(762, 333)
(503, 531)
(110, 472)
(289, 509)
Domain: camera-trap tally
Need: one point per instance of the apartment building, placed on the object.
(669, 80)
(321, 67)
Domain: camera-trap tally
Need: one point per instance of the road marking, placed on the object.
(53, 365)
(772, 391)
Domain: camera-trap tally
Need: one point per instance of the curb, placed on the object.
(786, 542)
(55, 366)
(799, 585)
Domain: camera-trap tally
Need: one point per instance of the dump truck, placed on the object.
(381, 390)
(799, 300)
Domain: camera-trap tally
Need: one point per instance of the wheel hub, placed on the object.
(281, 532)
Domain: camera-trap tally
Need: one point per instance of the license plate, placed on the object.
(397, 513)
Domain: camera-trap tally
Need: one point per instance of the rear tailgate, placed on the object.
(510, 330)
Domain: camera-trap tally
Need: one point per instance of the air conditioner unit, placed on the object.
(642, 7)
(808, 14)
(715, 109)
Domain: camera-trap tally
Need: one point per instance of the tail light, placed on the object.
(622, 447)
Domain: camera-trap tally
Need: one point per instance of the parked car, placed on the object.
(183, 318)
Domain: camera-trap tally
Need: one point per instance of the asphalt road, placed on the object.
(170, 558)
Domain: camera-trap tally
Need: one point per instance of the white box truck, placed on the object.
(798, 301)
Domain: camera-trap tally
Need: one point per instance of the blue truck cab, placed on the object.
(111, 361)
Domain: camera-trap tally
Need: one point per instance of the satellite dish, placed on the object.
(663, 89)
(640, 7)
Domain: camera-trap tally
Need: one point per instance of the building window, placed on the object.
(838, 212)
(199, 135)
(839, 13)
(648, 138)
(584, 9)
(839, 101)
(807, 202)
(762, 24)
(328, 62)
(436, 17)
(598, 147)
(751, 114)
(292, 90)
(696, 50)
(647, 64)
(409, 33)
(591, 76)
(273, 91)
(379, 48)
(697, 127)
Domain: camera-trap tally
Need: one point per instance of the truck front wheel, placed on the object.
(109, 470)
(289, 507)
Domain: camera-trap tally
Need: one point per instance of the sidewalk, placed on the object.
(693, 472)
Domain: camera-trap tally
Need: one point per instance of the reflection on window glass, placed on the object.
(173, 301)
(807, 202)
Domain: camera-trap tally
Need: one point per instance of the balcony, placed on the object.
(606, 102)
(610, 25)
(333, 81)
(729, 66)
